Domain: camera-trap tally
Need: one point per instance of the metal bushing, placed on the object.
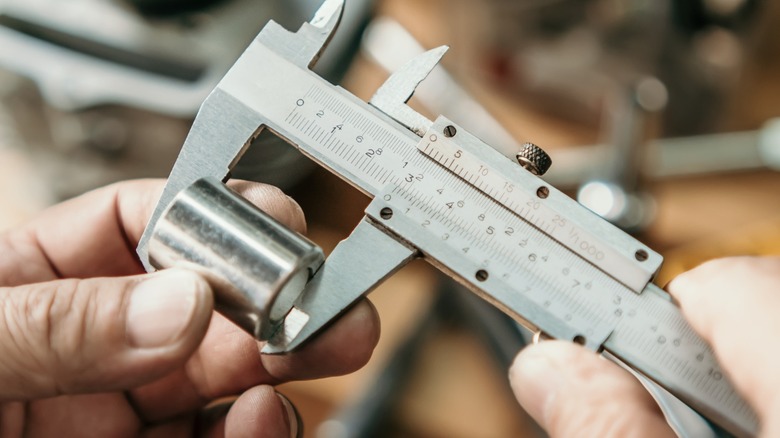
(256, 266)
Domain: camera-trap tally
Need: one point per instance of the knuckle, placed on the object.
(53, 324)
(46, 314)
(80, 309)
(25, 332)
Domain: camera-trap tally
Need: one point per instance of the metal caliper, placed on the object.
(438, 193)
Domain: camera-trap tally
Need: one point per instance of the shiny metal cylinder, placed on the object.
(256, 266)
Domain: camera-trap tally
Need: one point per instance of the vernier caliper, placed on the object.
(438, 193)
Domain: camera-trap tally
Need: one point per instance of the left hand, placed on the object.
(90, 345)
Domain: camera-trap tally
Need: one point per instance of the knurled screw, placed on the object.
(534, 159)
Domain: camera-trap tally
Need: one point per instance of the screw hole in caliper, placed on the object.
(386, 213)
(481, 275)
(450, 131)
(641, 255)
(543, 192)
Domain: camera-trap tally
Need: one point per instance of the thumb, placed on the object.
(570, 391)
(100, 334)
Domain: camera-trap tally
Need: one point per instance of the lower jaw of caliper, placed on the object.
(267, 279)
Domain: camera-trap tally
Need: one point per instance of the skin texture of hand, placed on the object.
(92, 346)
(732, 303)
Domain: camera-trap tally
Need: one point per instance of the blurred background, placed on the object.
(659, 115)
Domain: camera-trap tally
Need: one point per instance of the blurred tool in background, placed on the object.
(105, 90)
(576, 52)
(630, 64)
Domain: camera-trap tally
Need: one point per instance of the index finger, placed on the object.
(732, 303)
(96, 234)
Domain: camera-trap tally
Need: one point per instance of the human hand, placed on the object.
(92, 346)
(570, 391)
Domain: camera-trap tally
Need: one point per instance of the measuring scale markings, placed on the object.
(398, 153)
(579, 307)
(539, 204)
(606, 304)
(658, 342)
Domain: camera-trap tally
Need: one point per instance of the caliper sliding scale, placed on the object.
(442, 194)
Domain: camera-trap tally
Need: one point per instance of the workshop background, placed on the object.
(658, 115)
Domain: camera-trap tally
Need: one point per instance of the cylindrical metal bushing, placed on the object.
(256, 266)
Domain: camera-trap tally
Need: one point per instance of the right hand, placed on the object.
(732, 303)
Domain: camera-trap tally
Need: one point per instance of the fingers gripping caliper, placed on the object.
(438, 193)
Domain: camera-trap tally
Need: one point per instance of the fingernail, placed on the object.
(535, 382)
(293, 419)
(162, 307)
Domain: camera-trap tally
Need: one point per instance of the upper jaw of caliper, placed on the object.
(341, 281)
(305, 46)
(392, 96)
(223, 129)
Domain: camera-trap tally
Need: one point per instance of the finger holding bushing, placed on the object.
(256, 266)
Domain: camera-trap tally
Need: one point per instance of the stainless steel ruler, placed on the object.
(441, 193)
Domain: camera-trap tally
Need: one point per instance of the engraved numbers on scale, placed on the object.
(519, 248)
(511, 248)
(348, 137)
(330, 126)
(526, 204)
(500, 246)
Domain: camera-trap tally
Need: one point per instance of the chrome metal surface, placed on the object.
(256, 266)
(97, 45)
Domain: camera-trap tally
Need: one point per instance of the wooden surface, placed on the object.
(454, 388)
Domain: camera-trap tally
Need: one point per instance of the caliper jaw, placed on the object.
(355, 267)
(305, 46)
(392, 96)
(225, 127)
